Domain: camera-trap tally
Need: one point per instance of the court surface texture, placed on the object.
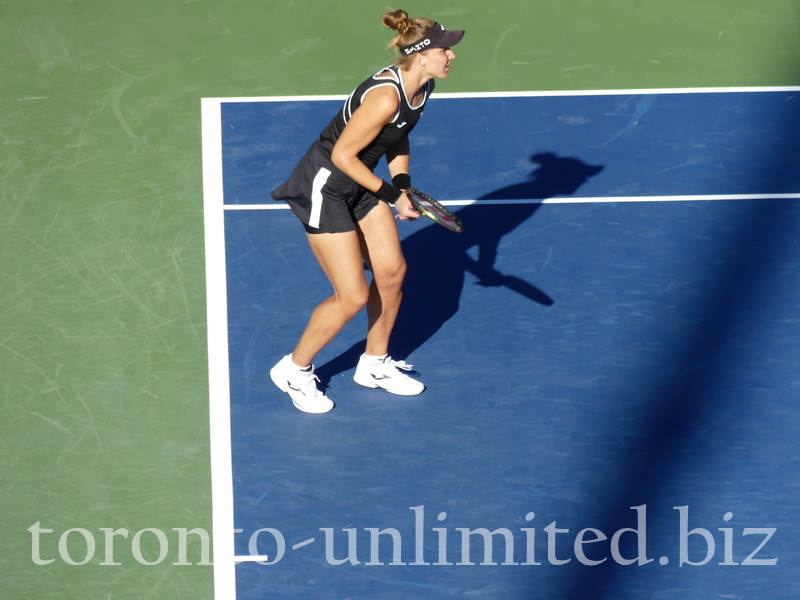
(609, 348)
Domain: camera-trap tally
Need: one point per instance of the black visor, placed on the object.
(436, 37)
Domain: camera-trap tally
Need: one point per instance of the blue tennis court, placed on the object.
(610, 351)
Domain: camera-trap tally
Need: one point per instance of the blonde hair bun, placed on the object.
(397, 20)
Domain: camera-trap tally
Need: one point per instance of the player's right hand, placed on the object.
(405, 210)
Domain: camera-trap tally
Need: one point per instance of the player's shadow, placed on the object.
(438, 259)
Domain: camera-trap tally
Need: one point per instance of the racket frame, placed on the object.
(454, 223)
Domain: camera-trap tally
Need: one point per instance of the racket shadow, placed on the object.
(438, 259)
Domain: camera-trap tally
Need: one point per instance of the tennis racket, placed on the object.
(428, 207)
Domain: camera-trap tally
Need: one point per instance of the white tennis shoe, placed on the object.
(387, 374)
(301, 385)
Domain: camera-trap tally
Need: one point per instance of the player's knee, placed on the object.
(391, 276)
(354, 300)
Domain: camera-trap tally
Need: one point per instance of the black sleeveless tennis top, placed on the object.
(404, 121)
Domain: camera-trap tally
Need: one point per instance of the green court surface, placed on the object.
(103, 346)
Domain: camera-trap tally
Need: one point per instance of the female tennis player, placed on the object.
(347, 210)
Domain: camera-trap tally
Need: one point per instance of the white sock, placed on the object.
(299, 368)
(375, 360)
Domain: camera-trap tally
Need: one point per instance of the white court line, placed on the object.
(218, 366)
(251, 558)
(588, 200)
(546, 93)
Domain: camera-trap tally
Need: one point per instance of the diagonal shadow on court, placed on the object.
(438, 259)
(682, 399)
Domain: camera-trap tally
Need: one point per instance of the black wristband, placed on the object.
(402, 181)
(388, 193)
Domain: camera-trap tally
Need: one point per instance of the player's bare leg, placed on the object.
(339, 255)
(380, 246)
